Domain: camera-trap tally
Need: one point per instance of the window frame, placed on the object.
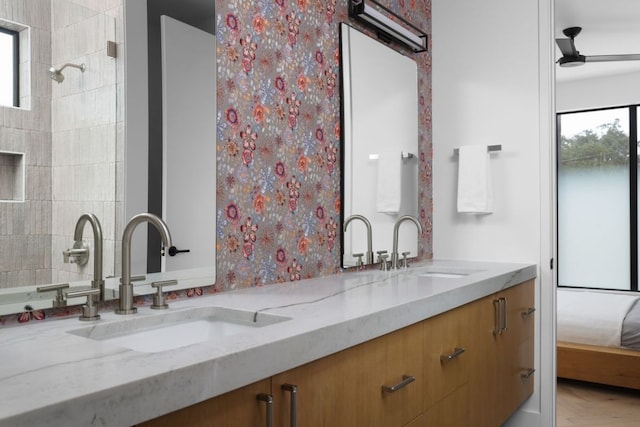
(633, 192)
(16, 64)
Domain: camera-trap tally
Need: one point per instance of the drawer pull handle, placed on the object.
(497, 306)
(293, 389)
(449, 357)
(406, 380)
(268, 399)
(529, 312)
(525, 376)
(505, 311)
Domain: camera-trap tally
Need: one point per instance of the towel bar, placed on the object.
(490, 148)
(405, 155)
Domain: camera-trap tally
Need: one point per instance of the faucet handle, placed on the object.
(159, 302)
(359, 262)
(79, 254)
(89, 311)
(382, 259)
(59, 300)
(384, 263)
(405, 263)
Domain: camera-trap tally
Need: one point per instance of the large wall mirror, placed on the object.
(88, 142)
(380, 144)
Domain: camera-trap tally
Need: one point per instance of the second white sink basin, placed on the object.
(154, 333)
(443, 272)
(442, 275)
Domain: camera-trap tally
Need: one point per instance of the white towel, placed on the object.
(474, 180)
(389, 190)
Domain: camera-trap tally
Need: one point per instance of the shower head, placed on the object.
(56, 73)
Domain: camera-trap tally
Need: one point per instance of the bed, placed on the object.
(599, 337)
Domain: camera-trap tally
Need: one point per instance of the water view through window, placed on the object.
(595, 212)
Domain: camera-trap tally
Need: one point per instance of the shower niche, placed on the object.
(11, 177)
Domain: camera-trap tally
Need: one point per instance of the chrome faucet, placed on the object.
(126, 288)
(369, 255)
(98, 281)
(396, 228)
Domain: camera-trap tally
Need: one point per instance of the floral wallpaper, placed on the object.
(279, 138)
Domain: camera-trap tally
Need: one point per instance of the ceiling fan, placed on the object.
(571, 56)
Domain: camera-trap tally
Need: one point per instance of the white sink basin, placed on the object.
(153, 333)
(442, 275)
(443, 272)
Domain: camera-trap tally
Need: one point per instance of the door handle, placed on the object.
(293, 389)
(497, 323)
(268, 399)
(173, 251)
(505, 313)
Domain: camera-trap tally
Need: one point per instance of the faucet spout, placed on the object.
(98, 281)
(126, 288)
(396, 228)
(369, 255)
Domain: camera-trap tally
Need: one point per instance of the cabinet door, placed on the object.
(236, 408)
(446, 358)
(346, 388)
(499, 366)
(483, 363)
(516, 349)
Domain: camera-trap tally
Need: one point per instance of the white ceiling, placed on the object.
(608, 27)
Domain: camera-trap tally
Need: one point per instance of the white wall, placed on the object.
(605, 91)
(492, 84)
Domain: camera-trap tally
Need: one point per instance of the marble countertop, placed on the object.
(48, 376)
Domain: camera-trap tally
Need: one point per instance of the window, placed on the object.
(9, 67)
(598, 199)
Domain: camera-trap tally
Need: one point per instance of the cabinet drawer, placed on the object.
(446, 354)
(452, 411)
(236, 408)
(346, 388)
(520, 310)
(518, 377)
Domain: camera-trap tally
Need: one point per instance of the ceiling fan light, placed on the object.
(571, 61)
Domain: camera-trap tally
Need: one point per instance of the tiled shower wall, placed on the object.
(69, 133)
(85, 125)
(25, 226)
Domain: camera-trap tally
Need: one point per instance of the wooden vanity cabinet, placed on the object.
(346, 388)
(236, 408)
(501, 365)
(485, 375)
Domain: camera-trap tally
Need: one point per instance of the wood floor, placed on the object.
(584, 404)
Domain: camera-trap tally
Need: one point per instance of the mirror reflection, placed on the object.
(380, 126)
(59, 145)
(63, 150)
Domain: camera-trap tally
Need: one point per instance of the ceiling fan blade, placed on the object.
(611, 58)
(567, 47)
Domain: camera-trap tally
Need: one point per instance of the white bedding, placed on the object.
(592, 317)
